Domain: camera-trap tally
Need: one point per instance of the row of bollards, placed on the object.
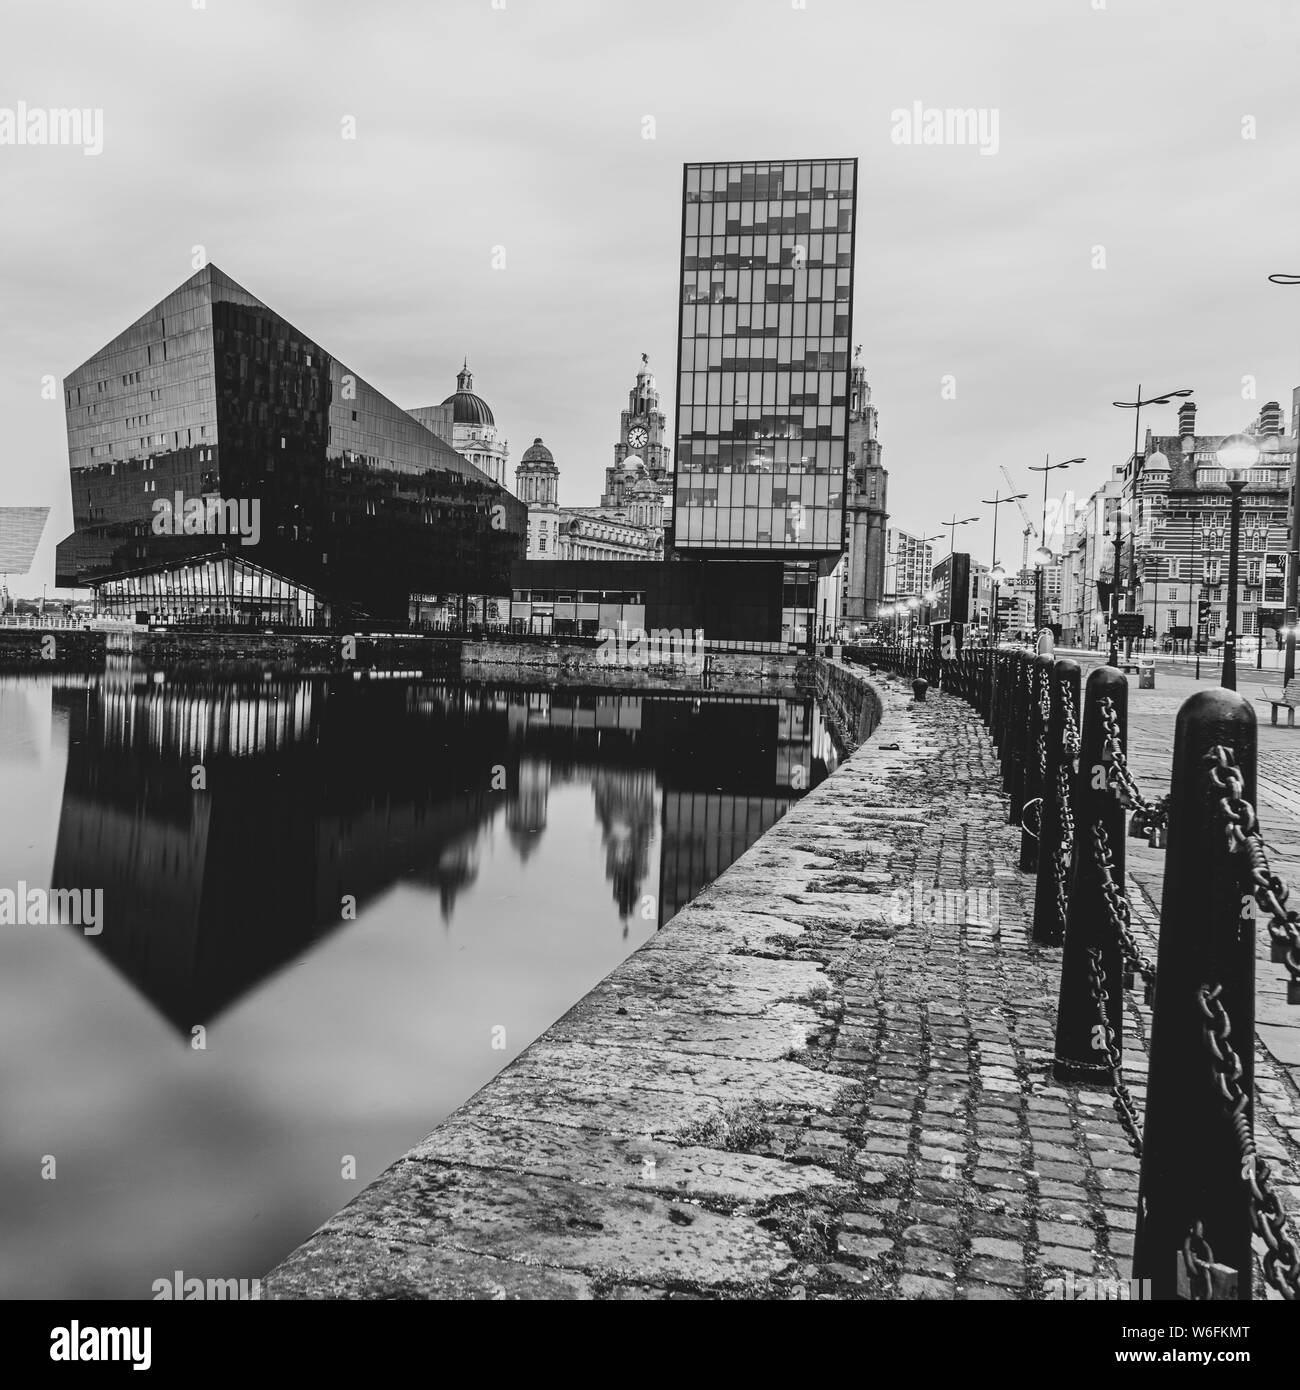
(1203, 1189)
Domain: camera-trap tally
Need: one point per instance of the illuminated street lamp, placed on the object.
(1237, 454)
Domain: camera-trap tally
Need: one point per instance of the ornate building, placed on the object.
(865, 517)
(1178, 552)
(640, 451)
(629, 522)
(465, 421)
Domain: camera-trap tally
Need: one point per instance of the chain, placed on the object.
(1242, 829)
(1065, 845)
(1281, 1259)
(1104, 1041)
(1117, 907)
(1072, 737)
(1155, 814)
(1199, 1260)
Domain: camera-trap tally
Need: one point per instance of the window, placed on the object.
(1171, 593)
(541, 544)
(1253, 571)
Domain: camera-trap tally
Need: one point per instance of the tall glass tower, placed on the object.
(765, 323)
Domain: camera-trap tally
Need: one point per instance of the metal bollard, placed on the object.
(1055, 838)
(1018, 719)
(1193, 1193)
(1089, 924)
(1035, 728)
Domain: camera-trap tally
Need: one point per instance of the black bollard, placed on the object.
(1055, 842)
(1089, 925)
(1017, 731)
(1035, 731)
(1192, 1165)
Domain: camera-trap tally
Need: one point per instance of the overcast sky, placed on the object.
(521, 125)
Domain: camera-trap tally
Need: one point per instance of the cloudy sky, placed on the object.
(1121, 125)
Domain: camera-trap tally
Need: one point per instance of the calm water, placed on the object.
(504, 850)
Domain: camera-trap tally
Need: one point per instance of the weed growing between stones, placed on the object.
(738, 1128)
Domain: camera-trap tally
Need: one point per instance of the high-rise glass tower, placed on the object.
(763, 358)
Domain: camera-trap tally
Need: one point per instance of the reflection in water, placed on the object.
(236, 826)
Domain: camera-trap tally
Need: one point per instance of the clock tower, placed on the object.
(641, 440)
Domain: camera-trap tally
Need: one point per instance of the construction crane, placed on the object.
(1030, 528)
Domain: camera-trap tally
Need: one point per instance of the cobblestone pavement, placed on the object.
(828, 1077)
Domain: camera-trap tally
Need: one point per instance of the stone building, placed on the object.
(465, 421)
(1178, 498)
(865, 516)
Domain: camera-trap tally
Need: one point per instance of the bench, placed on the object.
(1286, 699)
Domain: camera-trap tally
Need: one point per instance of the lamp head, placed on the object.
(997, 574)
(1043, 556)
(1237, 453)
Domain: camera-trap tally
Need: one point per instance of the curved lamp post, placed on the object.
(997, 574)
(1236, 455)
(1043, 555)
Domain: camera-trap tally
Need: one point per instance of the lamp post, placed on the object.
(952, 528)
(1235, 454)
(1293, 548)
(1113, 534)
(1136, 407)
(1043, 555)
(997, 574)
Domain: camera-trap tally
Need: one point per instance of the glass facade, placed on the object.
(763, 357)
(216, 590)
(212, 397)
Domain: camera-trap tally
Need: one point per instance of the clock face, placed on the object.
(637, 436)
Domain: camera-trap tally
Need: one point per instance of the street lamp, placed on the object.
(1136, 407)
(1236, 454)
(997, 574)
(1043, 556)
(952, 528)
(1293, 549)
(1113, 534)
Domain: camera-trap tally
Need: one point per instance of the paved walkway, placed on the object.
(827, 1077)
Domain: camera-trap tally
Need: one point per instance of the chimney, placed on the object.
(1187, 423)
(1270, 419)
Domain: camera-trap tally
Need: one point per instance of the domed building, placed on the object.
(474, 428)
(466, 422)
(631, 531)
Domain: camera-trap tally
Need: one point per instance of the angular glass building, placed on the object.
(763, 358)
(212, 426)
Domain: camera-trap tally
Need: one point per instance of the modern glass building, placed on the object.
(213, 424)
(763, 358)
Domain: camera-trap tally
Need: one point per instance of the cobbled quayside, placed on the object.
(827, 1077)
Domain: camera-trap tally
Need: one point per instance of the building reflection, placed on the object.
(229, 823)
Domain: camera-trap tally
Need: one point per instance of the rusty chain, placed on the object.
(1281, 1258)
(1104, 1041)
(1267, 888)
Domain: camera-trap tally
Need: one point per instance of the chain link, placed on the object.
(1155, 814)
(1281, 1258)
(1104, 1034)
(1117, 907)
(1243, 835)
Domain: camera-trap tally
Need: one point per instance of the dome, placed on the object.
(537, 455)
(1156, 463)
(645, 487)
(633, 464)
(466, 407)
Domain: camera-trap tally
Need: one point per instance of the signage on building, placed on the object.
(950, 579)
(1274, 578)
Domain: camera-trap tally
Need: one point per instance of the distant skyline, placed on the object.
(522, 127)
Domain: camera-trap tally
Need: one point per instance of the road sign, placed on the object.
(1128, 624)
